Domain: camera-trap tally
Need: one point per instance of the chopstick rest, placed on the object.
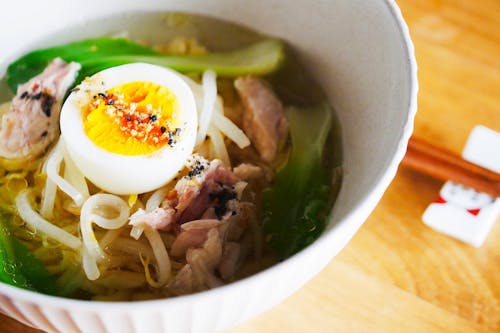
(462, 212)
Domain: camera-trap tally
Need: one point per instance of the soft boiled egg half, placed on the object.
(130, 128)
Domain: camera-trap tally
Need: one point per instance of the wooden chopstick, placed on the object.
(445, 165)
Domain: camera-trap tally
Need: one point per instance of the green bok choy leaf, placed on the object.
(100, 53)
(296, 204)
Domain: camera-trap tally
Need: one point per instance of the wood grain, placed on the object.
(397, 275)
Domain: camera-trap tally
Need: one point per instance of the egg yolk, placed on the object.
(134, 118)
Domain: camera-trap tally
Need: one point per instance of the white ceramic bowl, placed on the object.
(360, 52)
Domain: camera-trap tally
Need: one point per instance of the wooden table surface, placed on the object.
(397, 275)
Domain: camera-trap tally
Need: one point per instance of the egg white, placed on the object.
(121, 174)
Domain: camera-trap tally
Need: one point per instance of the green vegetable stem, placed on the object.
(296, 204)
(100, 53)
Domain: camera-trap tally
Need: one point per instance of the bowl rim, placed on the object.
(355, 217)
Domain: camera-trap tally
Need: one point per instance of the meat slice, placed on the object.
(32, 122)
(211, 221)
(208, 185)
(199, 272)
(182, 283)
(193, 234)
(264, 120)
(229, 260)
(246, 171)
(160, 218)
(203, 261)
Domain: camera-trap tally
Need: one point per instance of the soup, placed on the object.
(136, 169)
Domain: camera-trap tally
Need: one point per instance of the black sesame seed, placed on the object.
(111, 102)
(163, 129)
(196, 170)
(24, 95)
(139, 119)
(222, 198)
(177, 131)
(37, 96)
(153, 118)
(47, 103)
(44, 134)
(102, 95)
(128, 118)
(170, 142)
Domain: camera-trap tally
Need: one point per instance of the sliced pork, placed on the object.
(199, 272)
(247, 171)
(229, 260)
(183, 281)
(204, 194)
(159, 218)
(32, 122)
(209, 219)
(193, 234)
(209, 185)
(264, 119)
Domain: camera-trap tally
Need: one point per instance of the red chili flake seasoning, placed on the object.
(143, 124)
